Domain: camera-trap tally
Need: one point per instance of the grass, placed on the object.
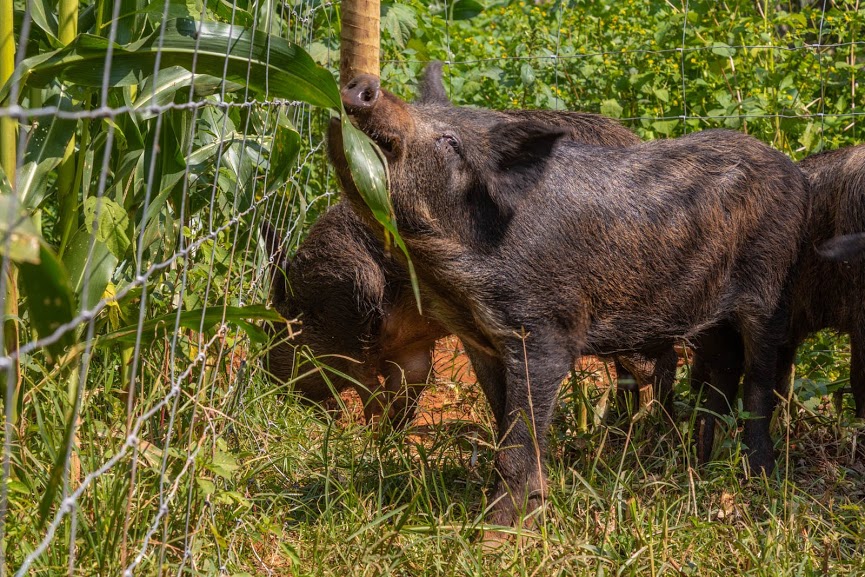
(333, 497)
(255, 483)
(232, 476)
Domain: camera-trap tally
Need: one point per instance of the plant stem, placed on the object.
(9, 161)
(8, 157)
(67, 192)
(10, 326)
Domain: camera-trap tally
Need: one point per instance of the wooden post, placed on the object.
(360, 39)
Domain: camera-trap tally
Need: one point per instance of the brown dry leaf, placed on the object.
(728, 505)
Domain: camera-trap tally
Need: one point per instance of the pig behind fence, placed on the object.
(356, 304)
(827, 288)
(535, 250)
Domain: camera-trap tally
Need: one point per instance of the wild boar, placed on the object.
(535, 250)
(357, 309)
(827, 289)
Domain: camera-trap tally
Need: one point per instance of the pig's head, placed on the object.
(333, 286)
(444, 160)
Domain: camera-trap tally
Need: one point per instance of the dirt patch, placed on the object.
(454, 394)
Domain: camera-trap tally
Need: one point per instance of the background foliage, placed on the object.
(225, 473)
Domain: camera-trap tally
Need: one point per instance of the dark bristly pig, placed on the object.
(357, 308)
(535, 250)
(827, 288)
(358, 319)
(848, 247)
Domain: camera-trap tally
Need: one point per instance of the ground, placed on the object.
(625, 496)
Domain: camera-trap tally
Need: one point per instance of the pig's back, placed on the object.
(665, 238)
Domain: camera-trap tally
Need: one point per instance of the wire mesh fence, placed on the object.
(147, 165)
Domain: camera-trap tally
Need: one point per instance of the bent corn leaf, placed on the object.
(369, 173)
(161, 88)
(46, 147)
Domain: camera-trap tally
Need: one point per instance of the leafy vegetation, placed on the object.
(140, 201)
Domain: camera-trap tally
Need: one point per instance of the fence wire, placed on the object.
(135, 437)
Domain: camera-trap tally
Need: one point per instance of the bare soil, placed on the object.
(454, 394)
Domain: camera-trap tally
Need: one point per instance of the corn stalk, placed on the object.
(67, 190)
(8, 160)
(7, 66)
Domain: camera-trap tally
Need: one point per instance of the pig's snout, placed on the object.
(361, 93)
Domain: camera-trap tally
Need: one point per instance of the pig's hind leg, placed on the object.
(719, 362)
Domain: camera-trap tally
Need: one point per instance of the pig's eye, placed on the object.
(449, 141)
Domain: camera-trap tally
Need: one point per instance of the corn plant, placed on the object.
(151, 146)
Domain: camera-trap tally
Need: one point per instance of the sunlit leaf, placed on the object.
(399, 20)
(95, 266)
(109, 221)
(231, 12)
(611, 107)
(17, 230)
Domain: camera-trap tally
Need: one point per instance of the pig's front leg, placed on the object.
(533, 370)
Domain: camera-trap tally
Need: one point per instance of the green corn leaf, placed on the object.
(49, 296)
(45, 18)
(369, 173)
(161, 88)
(98, 273)
(268, 65)
(46, 147)
(283, 152)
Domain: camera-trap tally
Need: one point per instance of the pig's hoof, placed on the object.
(761, 463)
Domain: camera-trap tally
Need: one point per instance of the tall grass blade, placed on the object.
(196, 319)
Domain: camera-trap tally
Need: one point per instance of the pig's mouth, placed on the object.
(389, 145)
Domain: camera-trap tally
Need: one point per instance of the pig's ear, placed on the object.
(518, 157)
(432, 90)
(850, 247)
